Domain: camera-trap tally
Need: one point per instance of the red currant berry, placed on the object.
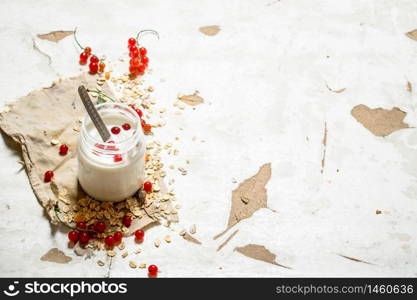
(117, 237)
(117, 158)
(132, 70)
(101, 67)
(63, 149)
(147, 128)
(147, 186)
(141, 68)
(142, 51)
(131, 42)
(73, 236)
(109, 241)
(93, 67)
(94, 59)
(115, 130)
(127, 220)
(87, 50)
(139, 112)
(133, 48)
(126, 126)
(84, 237)
(81, 225)
(135, 62)
(145, 60)
(153, 270)
(139, 234)
(100, 227)
(134, 52)
(48, 176)
(91, 232)
(83, 58)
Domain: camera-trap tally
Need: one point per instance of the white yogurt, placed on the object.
(112, 171)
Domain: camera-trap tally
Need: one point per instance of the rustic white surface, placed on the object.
(264, 79)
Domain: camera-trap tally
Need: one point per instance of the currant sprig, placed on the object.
(139, 61)
(101, 96)
(96, 64)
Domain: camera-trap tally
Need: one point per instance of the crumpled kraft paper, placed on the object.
(34, 121)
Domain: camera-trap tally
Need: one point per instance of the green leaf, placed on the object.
(100, 100)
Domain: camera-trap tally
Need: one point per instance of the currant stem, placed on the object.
(146, 31)
(100, 93)
(75, 38)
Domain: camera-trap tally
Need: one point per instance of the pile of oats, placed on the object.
(143, 208)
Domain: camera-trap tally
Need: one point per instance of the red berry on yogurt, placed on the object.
(115, 130)
(126, 126)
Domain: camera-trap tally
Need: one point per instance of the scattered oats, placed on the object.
(183, 171)
(176, 152)
(177, 138)
(121, 246)
(150, 89)
(100, 263)
(77, 129)
(178, 206)
(156, 188)
(168, 239)
(172, 167)
(124, 254)
(181, 106)
(157, 243)
(111, 253)
(54, 142)
(132, 264)
(183, 232)
(194, 138)
(142, 266)
(137, 251)
(174, 212)
(193, 229)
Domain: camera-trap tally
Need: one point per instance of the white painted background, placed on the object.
(264, 79)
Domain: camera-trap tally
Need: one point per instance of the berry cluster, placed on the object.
(96, 64)
(139, 61)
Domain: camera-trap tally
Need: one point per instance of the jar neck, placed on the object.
(95, 143)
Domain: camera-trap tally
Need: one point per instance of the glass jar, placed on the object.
(112, 170)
